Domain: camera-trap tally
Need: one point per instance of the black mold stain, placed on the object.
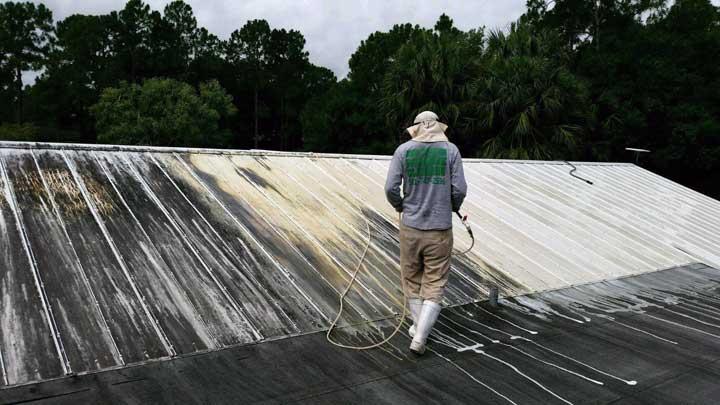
(319, 291)
(257, 179)
(262, 161)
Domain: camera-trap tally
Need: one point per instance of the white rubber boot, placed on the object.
(415, 306)
(428, 316)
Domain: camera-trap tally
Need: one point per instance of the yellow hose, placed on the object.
(352, 281)
(347, 289)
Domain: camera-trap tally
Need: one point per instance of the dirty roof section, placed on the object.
(646, 339)
(119, 255)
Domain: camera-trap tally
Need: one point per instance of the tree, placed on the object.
(393, 75)
(650, 81)
(248, 46)
(528, 102)
(174, 40)
(432, 71)
(368, 66)
(332, 123)
(6, 93)
(77, 69)
(18, 132)
(272, 69)
(266, 70)
(163, 112)
(375, 55)
(179, 16)
(287, 65)
(208, 63)
(586, 21)
(131, 45)
(26, 34)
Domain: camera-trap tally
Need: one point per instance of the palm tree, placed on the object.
(431, 72)
(529, 103)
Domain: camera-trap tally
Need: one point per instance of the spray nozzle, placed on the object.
(464, 218)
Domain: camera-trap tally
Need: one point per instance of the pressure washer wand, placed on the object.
(463, 218)
(494, 290)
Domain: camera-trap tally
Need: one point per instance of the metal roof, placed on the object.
(649, 339)
(120, 255)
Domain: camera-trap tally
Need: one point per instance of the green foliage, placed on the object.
(276, 79)
(18, 132)
(433, 71)
(376, 54)
(135, 39)
(332, 123)
(163, 112)
(528, 102)
(266, 70)
(578, 79)
(75, 72)
(355, 122)
(655, 84)
(25, 39)
(33, 133)
(179, 35)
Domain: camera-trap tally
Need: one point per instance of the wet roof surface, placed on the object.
(651, 338)
(117, 256)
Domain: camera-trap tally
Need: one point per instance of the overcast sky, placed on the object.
(333, 29)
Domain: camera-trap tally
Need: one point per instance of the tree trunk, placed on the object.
(133, 67)
(256, 138)
(284, 142)
(19, 89)
(597, 25)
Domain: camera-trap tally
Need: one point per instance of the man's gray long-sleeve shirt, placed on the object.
(433, 183)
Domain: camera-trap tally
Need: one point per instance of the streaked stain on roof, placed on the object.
(114, 256)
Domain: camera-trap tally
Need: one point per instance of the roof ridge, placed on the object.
(259, 152)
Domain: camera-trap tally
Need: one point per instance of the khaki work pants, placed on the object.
(425, 262)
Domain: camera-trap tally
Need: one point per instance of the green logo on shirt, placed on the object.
(426, 165)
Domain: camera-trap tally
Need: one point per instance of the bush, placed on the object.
(18, 132)
(163, 112)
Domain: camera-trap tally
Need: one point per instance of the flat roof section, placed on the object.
(651, 338)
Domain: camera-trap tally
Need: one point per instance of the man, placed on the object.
(430, 170)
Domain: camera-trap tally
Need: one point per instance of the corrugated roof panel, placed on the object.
(573, 206)
(278, 261)
(650, 338)
(224, 178)
(148, 251)
(26, 337)
(473, 269)
(75, 315)
(561, 231)
(114, 256)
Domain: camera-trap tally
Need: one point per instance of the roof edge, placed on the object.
(256, 152)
